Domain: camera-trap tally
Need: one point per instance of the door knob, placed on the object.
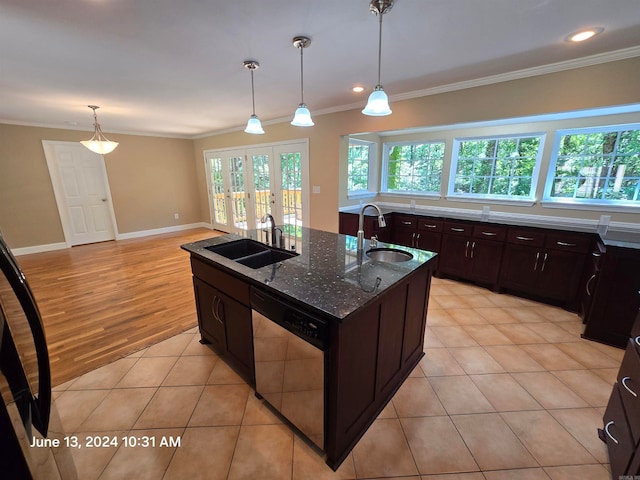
(103, 199)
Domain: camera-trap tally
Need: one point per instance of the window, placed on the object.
(414, 168)
(496, 167)
(360, 156)
(596, 165)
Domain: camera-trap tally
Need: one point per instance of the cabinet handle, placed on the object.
(535, 265)
(413, 239)
(466, 250)
(526, 239)
(606, 429)
(638, 340)
(596, 254)
(564, 244)
(406, 223)
(489, 234)
(624, 384)
(592, 277)
(417, 240)
(457, 229)
(429, 226)
(473, 247)
(544, 262)
(215, 307)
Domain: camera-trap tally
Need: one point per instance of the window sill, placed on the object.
(524, 202)
(357, 195)
(592, 206)
(431, 196)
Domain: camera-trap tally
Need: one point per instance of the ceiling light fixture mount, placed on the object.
(302, 117)
(98, 143)
(253, 125)
(378, 103)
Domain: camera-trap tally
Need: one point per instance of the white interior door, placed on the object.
(81, 188)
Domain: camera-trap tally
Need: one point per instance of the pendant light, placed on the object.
(378, 103)
(98, 143)
(302, 117)
(253, 125)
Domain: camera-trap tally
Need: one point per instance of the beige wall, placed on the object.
(614, 83)
(150, 179)
(153, 178)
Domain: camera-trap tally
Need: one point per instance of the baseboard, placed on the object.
(119, 236)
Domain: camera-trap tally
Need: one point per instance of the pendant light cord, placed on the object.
(253, 95)
(301, 47)
(380, 46)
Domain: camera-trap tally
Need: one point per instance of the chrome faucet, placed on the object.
(274, 236)
(381, 223)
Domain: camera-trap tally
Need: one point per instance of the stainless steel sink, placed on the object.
(251, 253)
(390, 255)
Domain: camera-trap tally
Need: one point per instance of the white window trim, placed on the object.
(370, 191)
(384, 189)
(584, 204)
(504, 200)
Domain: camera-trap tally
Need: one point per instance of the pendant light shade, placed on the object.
(98, 143)
(253, 125)
(378, 103)
(302, 117)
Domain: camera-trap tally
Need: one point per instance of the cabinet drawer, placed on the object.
(405, 221)
(629, 385)
(458, 228)
(224, 282)
(567, 242)
(489, 232)
(430, 224)
(533, 238)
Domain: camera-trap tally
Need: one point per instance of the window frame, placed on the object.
(584, 203)
(370, 191)
(529, 200)
(384, 186)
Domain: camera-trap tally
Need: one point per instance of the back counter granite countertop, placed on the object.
(326, 275)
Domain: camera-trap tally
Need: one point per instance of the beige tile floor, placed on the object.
(506, 390)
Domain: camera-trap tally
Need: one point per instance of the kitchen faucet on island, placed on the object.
(360, 233)
(274, 236)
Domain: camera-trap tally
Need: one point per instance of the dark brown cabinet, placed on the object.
(591, 277)
(544, 264)
(348, 225)
(224, 321)
(417, 231)
(617, 298)
(472, 251)
(621, 419)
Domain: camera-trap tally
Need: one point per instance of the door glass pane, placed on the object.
(291, 192)
(217, 190)
(262, 192)
(238, 205)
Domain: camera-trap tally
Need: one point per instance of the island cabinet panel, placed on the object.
(224, 319)
(372, 352)
(617, 435)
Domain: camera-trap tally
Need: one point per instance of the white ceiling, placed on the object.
(174, 67)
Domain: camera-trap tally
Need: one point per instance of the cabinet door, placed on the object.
(617, 435)
(629, 385)
(404, 236)
(209, 319)
(455, 255)
(348, 223)
(519, 267)
(238, 332)
(559, 275)
(485, 261)
(428, 241)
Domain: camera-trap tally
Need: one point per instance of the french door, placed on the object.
(245, 184)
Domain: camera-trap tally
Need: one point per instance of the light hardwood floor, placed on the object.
(102, 301)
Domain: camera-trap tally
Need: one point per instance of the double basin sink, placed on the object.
(251, 253)
(255, 255)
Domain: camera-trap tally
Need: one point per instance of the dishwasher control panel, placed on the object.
(305, 325)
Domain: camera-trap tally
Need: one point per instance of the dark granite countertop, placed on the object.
(611, 237)
(326, 275)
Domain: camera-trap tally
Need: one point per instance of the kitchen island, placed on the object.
(374, 312)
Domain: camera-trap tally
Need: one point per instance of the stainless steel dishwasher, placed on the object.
(289, 346)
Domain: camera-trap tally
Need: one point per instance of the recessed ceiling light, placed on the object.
(583, 35)
(358, 89)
